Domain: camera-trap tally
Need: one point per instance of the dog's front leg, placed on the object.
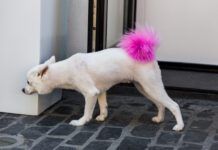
(90, 101)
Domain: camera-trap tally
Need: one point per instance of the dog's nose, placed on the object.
(23, 90)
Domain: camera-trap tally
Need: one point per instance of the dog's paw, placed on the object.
(77, 122)
(157, 119)
(178, 127)
(100, 118)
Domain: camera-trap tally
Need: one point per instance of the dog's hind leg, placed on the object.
(161, 109)
(102, 101)
(152, 84)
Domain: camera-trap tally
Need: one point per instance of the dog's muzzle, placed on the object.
(23, 90)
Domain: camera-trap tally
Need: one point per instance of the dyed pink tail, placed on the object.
(140, 44)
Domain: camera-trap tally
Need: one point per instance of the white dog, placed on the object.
(94, 73)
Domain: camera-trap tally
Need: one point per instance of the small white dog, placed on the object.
(94, 73)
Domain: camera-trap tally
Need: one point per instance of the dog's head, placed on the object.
(38, 80)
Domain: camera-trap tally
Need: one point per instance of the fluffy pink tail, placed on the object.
(140, 44)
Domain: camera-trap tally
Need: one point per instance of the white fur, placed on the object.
(93, 74)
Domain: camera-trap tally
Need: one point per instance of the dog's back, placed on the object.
(111, 66)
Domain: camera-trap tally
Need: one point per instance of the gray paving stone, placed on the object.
(168, 138)
(133, 143)
(92, 126)
(170, 121)
(168, 126)
(216, 137)
(63, 130)
(188, 106)
(2, 114)
(116, 132)
(169, 115)
(7, 141)
(50, 121)
(206, 114)
(146, 118)
(98, 145)
(65, 148)
(74, 116)
(34, 132)
(63, 110)
(4, 122)
(17, 149)
(109, 133)
(14, 129)
(140, 100)
(47, 144)
(27, 144)
(186, 116)
(12, 115)
(188, 146)
(201, 124)
(152, 108)
(121, 119)
(160, 148)
(30, 119)
(145, 130)
(136, 104)
(125, 90)
(76, 99)
(195, 136)
(114, 104)
(214, 146)
(80, 138)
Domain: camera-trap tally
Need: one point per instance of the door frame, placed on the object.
(101, 22)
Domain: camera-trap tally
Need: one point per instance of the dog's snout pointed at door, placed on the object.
(23, 90)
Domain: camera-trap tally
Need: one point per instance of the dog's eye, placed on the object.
(28, 82)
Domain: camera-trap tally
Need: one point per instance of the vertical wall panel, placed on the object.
(188, 29)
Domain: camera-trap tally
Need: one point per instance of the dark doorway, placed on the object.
(108, 20)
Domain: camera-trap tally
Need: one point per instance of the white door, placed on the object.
(188, 29)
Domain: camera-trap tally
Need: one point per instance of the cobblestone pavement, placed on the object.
(128, 127)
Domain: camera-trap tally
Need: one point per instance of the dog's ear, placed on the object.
(50, 61)
(43, 70)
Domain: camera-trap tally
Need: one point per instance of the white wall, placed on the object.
(53, 35)
(19, 47)
(188, 28)
(77, 27)
(114, 21)
(30, 32)
(53, 28)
